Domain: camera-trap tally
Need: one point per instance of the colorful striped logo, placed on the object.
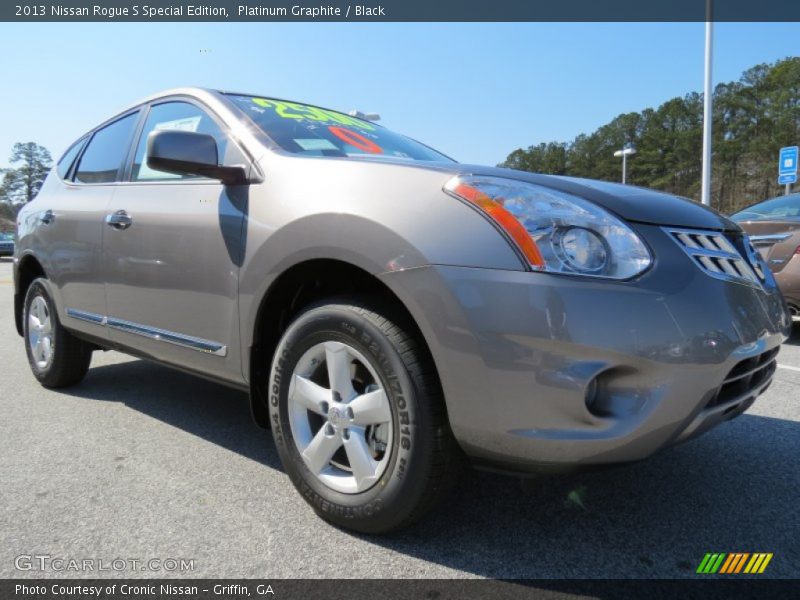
(734, 562)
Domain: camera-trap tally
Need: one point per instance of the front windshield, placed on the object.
(777, 209)
(314, 131)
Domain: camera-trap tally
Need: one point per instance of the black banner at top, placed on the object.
(398, 10)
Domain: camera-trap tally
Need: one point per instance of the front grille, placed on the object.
(746, 378)
(716, 256)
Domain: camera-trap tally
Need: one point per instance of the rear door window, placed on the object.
(106, 151)
(69, 157)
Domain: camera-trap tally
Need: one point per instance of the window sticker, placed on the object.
(316, 144)
(356, 140)
(298, 128)
(293, 110)
(187, 124)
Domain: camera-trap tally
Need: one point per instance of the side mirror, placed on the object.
(190, 153)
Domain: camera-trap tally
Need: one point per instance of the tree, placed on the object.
(544, 158)
(753, 118)
(22, 183)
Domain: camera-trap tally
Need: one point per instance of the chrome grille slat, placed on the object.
(706, 242)
(687, 240)
(715, 255)
(746, 272)
(708, 263)
(725, 245)
(730, 269)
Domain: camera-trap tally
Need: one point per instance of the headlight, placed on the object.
(556, 231)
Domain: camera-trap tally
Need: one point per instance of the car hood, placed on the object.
(627, 201)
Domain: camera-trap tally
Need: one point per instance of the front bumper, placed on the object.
(519, 353)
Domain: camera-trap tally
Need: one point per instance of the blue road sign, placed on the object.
(787, 161)
(787, 178)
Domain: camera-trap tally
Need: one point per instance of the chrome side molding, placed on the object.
(154, 333)
(171, 337)
(773, 238)
(82, 315)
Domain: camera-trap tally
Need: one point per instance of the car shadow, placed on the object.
(794, 336)
(734, 489)
(208, 410)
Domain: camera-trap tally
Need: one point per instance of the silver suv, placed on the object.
(392, 313)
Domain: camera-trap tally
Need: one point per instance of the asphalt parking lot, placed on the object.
(142, 462)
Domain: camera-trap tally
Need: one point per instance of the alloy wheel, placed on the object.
(40, 332)
(340, 417)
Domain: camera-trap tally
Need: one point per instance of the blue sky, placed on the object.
(474, 91)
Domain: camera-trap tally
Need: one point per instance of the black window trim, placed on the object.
(81, 141)
(137, 110)
(125, 178)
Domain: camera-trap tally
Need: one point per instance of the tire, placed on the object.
(415, 459)
(57, 358)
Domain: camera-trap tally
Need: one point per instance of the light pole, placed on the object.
(627, 150)
(705, 187)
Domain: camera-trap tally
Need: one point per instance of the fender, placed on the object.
(22, 280)
(394, 217)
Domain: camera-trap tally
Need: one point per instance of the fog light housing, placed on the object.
(591, 396)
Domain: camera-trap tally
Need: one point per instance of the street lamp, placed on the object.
(627, 150)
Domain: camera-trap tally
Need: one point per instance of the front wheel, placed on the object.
(358, 418)
(57, 358)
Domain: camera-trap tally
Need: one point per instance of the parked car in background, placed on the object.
(389, 310)
(774, 229)
(6, 244)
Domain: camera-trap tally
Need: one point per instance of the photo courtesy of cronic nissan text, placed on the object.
(407, 300)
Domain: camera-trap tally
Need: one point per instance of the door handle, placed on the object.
(48, 217)
(119, 220)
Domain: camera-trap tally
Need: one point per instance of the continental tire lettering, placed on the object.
(277, 432)
(306, 490)
(348, 512)
(275, 390)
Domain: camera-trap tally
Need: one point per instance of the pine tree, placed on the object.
(22, 183)
(753, 118)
